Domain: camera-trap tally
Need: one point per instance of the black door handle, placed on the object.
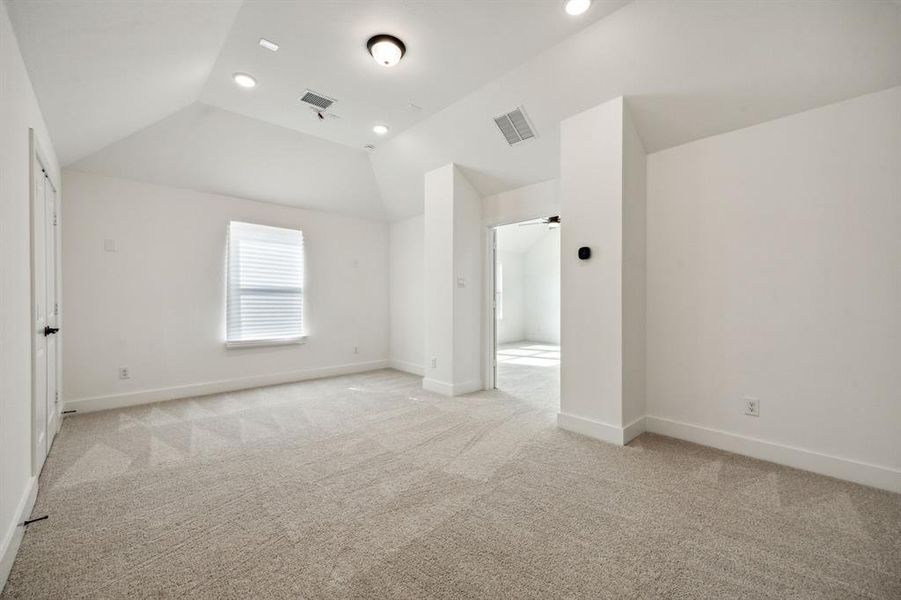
(50, 330)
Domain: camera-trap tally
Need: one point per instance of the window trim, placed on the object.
(271, 342)
(286, 341)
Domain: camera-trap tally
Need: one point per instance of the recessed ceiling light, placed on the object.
(244, 80)
(268, 45)
(386, 49)
(576, 7)
(380, 129)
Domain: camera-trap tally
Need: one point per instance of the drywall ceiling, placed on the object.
(209, 149)
(453, 48)
(128, 87)
(103, 69)
(688, 69)
(107, 70)
(520, 237)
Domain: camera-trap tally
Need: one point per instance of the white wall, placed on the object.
(591, 318)
(468, 269)
(511, 328)
(407, 264)
(522, 203)
(602, 169)
(541, 287)
(634, 271)
(439, 277)
(19, 111)
(453, 283)
(157, 304)
(774, 271)
(407, 294)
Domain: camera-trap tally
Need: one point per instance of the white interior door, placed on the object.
(52, 340)
(39, 319)
(45, 414)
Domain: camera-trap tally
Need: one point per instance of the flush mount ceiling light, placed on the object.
(244, 80)
(576, 7)
(268, 45)
(386, 49)
(380, 129)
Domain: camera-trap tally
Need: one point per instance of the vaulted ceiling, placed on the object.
(143, 89)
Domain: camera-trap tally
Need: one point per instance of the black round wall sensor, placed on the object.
(584, 253)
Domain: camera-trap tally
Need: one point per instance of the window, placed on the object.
(264, 302)
(499, 291)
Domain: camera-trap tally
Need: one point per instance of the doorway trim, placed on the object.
(489, 302)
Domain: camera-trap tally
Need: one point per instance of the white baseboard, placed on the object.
(451, 389)
(886, 478)
(216, 387)
(634, 429)
(605, 432)
(12, 537)
(407, 367)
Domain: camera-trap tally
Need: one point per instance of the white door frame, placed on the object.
(52, 315)
(491, 308)
(490, 283)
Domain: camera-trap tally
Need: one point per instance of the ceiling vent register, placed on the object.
(316, 101)
(515, 126)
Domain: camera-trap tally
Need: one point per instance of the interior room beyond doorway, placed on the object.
(527, 309)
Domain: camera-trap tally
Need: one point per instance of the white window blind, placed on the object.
(265, 284)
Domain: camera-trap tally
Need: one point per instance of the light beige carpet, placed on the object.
(368, 487)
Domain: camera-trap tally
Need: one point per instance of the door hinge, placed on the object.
(56, 397)
(54, 219)
(56, 308)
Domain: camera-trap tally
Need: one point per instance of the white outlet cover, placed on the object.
(752, 407)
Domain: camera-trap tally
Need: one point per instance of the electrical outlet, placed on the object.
(752, 407)
(356, 350)
(434, 362)
(124, 373)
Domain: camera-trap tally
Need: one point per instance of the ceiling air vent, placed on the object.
(316, 101)
(515, 126)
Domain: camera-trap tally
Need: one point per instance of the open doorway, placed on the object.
(526, 340)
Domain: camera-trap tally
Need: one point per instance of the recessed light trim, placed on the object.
(244, 80)
(385, 49)
(268, 45)
(380, 129)
(576, 7)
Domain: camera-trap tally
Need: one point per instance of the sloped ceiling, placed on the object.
(103, 69)
(209, 149)
(142, 89)
(453, 48)
(688, 70)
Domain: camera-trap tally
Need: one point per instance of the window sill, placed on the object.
(276, 342)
